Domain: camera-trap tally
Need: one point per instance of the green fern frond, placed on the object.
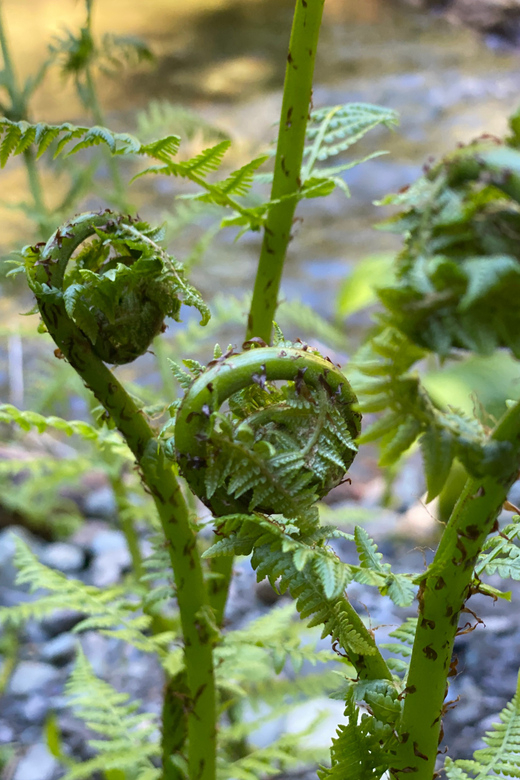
(101, 437)
(384, 383)
(160, 116)
(277, 555)
(501, 554)
(399, 587)
(405, 636)
(332, 131)
(286, 753)
(238, 183)
(126, 737)
(109, 610)
(502, 754)
(278, 636)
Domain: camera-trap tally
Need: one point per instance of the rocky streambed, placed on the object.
(499, 20)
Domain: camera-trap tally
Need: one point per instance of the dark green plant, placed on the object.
(261, 435)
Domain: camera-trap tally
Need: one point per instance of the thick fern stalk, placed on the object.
(443, 593)
(158, 476)
(289, 152)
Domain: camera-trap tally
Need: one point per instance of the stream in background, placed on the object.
(225, 59)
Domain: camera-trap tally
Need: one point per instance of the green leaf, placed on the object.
(359, 290)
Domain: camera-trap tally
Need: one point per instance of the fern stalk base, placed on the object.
(444, 590)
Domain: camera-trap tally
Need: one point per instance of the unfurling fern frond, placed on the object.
(461, 224)
(278, 449)
(126, 739)
(385, 383)
(501, 757)
(122, 286)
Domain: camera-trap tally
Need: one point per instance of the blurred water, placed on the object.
(226, 59)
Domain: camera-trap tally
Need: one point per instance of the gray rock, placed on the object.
(60, 650)
(31, 676)
(108, 541)
(469, 709)
(35, 709)
(301, 717)
(6, 733)
(30, 737)
(37, 764)
(64, 557)
(107, 568)
(60, 621)
(268, 731)
(100, 503)
(85, 535)
(11, 597)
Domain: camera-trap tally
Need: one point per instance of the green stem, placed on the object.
(126, 522)
(92, 103)
(18, 107)
(159, 479)
(444, 590)
(289, 154)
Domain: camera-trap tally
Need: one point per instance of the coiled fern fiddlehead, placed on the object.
(122, 284)
(277, 450)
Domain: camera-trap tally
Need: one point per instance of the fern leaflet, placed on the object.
(108, 610)
(502, 754)
(126, 736)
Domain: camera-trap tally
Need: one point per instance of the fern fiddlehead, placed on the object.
(122, 286)
(278, 449)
